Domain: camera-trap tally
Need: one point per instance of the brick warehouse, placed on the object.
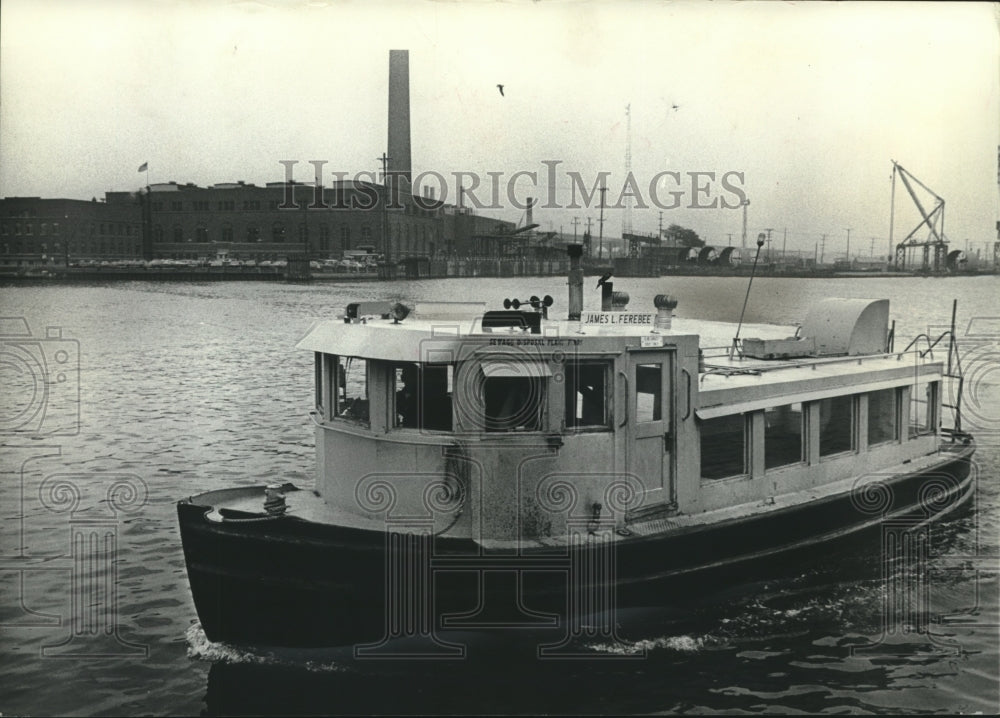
(239, 220)
(243, 221)
(54, 231)
(246, 221)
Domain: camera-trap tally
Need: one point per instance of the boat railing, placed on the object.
(953, 370)
(765, 365)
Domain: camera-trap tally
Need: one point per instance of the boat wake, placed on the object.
(200, 648)
(685, 644)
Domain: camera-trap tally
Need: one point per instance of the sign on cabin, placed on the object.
(618, 318)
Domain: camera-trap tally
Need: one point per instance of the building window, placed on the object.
(783, 435)
(178, 234)
(724, 446)
(278, 233)
(345, 237)
(201, 233)
(366, 234)
(157, 233)
(45, 229)
(226, 234)
(304, 233)
(883, 422)
(253, 233)
(836, 425)
(324, 238)
(176, 206)
(587, 398)
(422, 396)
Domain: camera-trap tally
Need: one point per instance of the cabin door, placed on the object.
(648, 438)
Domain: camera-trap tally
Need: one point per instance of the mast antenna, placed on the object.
(627, 214)
(761, 238)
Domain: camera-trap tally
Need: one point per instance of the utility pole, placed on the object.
(660, 235)
(730, 239)
(576, 221)
(769, 230)
(784, 243)
(743, 244)
(600, 242)
(386, 247)
(848, 247)
(822, 249)
(627, 214)
(871, 252)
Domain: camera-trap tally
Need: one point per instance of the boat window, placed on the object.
(318, 378)
(923, 409)
(723, 446)
(648, 392)
(422, 395)
(782, 435)
(883, 424)
(836, 425)
(352, 378)
(325, 370)
(513, 403)
(586, 394)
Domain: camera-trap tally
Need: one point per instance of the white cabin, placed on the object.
(505, 432)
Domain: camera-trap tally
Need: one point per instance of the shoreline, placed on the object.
(271, 274)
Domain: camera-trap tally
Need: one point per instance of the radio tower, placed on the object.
(627, 214)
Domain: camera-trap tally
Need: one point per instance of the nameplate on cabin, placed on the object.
(618, 319)
(650, 341)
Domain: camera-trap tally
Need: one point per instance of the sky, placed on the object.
(801, 106)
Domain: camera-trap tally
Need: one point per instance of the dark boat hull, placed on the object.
(289, 582)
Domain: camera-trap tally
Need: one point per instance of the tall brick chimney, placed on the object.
(399, 116)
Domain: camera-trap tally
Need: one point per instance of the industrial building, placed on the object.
(243, 221)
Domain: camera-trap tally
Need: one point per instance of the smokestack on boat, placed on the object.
(575, 251)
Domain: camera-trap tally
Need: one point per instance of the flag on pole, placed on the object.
(144, 166)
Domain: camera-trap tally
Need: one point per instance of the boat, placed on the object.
(486, 469)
